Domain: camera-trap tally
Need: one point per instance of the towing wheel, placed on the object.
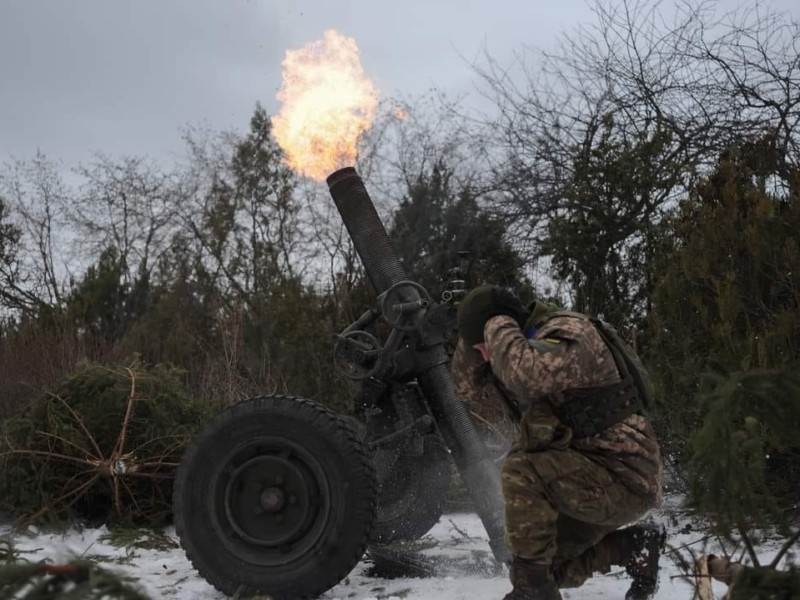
(276, 496)
(412, 490)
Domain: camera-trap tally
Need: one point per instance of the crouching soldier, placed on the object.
(585, 462)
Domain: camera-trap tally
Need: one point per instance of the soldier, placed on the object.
(585, 461)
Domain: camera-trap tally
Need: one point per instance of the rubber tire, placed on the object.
(331, 442)
(424, 488)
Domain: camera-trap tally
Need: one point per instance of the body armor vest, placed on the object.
(590, 410)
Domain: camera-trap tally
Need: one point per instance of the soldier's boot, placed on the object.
(532, 581)
(645, 543)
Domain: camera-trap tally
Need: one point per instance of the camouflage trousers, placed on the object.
(563, 509)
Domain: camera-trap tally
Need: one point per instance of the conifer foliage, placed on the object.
(102, 446)
(441, 216)
(748, 418)
(727, 283)
(78, 580)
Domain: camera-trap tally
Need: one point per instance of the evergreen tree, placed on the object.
(179, 324)
(600, 239)
(248, 221)
(263, 188)
(749, 419)
(103, 305)
(437, 220)
(728, 287)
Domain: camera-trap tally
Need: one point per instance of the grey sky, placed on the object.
(123, 77)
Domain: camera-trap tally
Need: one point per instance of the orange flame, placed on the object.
(327, 103)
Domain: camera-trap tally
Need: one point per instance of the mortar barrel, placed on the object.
(366, 230)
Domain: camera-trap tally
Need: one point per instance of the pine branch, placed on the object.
(77, 579)
(748, 544)
(784, 549)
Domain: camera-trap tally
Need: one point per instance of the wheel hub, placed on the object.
(273, 499)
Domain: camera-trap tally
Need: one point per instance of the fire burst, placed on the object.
(327, 103)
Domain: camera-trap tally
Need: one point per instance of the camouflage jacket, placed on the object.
(565, 353)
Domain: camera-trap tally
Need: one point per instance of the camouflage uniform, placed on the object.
(475, 383)
(564, 497)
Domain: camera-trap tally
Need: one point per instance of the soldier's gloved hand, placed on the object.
(483, 303)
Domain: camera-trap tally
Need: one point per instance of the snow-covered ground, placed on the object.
(458, 542)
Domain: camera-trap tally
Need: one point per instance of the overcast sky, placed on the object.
(123, 76)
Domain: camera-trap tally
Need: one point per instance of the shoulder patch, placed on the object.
(547, 344)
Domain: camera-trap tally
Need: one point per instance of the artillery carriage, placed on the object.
(281, 495)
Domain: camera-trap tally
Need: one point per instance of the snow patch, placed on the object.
(457, 542)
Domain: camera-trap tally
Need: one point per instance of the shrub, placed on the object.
(102, 446)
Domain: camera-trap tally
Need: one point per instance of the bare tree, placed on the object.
(35, 198)
(597, 141)
(129, 204)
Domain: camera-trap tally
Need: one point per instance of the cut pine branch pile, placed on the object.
(78, 580)
(102, 447)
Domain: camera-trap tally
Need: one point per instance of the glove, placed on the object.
(483, 303)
